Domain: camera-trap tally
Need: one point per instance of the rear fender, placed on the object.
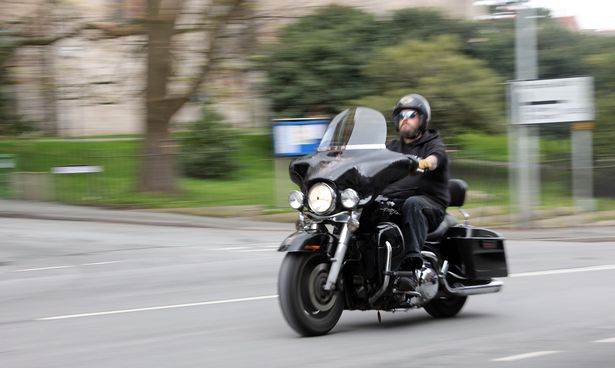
(308, 242)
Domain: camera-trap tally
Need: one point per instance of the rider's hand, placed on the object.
(424, 165)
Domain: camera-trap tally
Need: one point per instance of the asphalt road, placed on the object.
(86, 294)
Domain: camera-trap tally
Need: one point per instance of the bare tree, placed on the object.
(160, 27)
(158, 171)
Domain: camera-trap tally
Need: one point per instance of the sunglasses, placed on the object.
(407, 115)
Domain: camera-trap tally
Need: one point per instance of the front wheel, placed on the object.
(307, 307)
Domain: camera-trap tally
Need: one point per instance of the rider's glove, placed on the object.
(424, 165)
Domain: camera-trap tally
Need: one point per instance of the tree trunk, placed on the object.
(158, 172)
(48, 84)
(158, 165)
(47, 79)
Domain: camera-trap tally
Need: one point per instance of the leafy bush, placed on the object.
(315, 67)
(208, 146)
(464, 93)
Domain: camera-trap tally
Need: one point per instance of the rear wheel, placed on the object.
(445, 307)
(307, 307)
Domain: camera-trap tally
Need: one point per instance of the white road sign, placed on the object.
(552, 100)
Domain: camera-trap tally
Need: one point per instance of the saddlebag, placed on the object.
(479, 252)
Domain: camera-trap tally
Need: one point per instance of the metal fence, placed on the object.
(85, 179)
(103, 177)
(100, 176)
(492, 197)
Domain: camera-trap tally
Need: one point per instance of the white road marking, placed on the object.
(565, 270)
(100, 263)
(158, 308)
(229, 248)
(257, 250)
(525, 274)
(42, 268)
(526, 356)
(61, 267)
(248, 249)
(612, 339)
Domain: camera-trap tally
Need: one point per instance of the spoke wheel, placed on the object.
(307, 307)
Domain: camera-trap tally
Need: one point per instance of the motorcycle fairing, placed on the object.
(366, 171)
(307, 241)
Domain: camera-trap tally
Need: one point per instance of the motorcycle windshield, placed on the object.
(356, 128)
(352, 154)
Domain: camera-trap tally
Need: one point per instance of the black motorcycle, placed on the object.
(348, 247)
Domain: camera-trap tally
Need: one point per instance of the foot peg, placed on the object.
(407, 283)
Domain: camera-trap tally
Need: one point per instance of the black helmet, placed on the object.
(415, 102)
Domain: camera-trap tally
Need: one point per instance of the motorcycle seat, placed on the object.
(440, 231)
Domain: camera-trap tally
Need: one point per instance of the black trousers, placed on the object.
(420, 215)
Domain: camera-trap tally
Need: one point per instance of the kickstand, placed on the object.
(379, 318)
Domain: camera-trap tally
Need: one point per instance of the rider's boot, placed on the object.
(409, 280)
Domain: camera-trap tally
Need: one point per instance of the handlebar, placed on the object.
(415, 162)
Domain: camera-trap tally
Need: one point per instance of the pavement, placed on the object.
(555, 225)
(57, 211)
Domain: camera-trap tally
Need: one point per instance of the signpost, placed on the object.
(297, 137)
(553, 100)
(564, 100)
(532, 102)
(293, 138)
(523, 139)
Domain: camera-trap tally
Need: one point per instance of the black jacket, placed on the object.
(433, 184)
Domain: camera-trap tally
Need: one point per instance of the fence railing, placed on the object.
(102, 176)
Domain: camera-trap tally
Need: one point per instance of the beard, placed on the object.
(410, 133)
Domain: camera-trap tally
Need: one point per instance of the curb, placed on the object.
(582, 227)
(60, 212)
(233, 224)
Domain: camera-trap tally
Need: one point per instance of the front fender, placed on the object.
(307, 241)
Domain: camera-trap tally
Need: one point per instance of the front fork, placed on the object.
(351, 223)
(338, 258)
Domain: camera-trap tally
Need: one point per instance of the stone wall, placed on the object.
(99, 84)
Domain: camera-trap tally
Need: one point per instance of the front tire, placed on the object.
(306, 306)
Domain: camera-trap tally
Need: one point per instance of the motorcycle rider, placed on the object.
(421, 199)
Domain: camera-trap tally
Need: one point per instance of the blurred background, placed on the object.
(170, 104)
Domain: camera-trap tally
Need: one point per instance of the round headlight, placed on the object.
(350, 198)
(295, 199)
(321, 198)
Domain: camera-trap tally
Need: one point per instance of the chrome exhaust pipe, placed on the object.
(492, 287)
(431, 256)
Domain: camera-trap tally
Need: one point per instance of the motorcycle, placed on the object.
(347, 247)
